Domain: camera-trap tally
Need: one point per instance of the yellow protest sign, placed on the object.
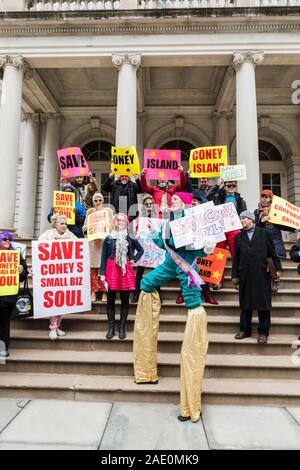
(9, 272)
(206, 162)
(283, 212)
(124, 161)
(64, 204)
(98, 225)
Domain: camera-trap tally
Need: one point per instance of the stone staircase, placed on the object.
(85, 366)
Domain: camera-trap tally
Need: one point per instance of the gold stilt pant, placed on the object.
(145, 337)
(192, 363)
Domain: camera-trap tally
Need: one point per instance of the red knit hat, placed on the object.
(187, 198)
(267, 192)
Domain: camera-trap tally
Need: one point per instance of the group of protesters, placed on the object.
(256, 251)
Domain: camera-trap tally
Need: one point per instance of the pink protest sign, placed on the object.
(162, 164)
(72, 162)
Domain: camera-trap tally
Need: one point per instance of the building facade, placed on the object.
(152, 74)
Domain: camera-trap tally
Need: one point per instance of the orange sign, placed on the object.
(212, 267)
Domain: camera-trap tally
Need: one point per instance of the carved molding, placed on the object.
(133, 59)
(217, 115)
(44, 117)
(17, 62)
(250, 57)
(35, 117)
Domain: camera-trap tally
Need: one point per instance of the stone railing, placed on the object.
(88, 5)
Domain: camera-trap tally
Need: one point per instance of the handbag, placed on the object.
(24, 304)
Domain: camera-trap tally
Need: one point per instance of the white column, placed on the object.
(29, 176)
(50, 171)
(222, 128)
(127, 99)
(10, 120)
(246, 123)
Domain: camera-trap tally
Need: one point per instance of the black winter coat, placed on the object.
(117, 190)
(218, 196)
(250, 266)
(109, 251)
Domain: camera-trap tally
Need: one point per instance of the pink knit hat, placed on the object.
(187, 198)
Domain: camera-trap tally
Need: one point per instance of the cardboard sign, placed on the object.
(205, 222)
(205, 162)
(153, 256)
(212, 267)
(98, 225)
(233, 173)
(72, 162)
(124, 161)
(20, 247)
(283, 212)
(162, 164)
(64, 204)
(9, 272)
(61, 281)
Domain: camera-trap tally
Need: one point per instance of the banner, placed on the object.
(124, 161)
(98, 225)
(233, 173)
(283, 212)
(64, 204)
(205, 222)
(61, 281)
(153, 256)
(212, 267)
(72, 162)
(162, 164)
(9, 272)
(205, 162)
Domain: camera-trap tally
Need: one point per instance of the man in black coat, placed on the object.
(124, 193)
(254, 261)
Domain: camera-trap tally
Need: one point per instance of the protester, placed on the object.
(262, 220)
(59, 231)
(254, 261)
(81, 183)
(221, 193)
(91, 189)
(204, 185)
(118, 256)
(162, 193)
(198, 193)
(123, 193)
(8, 302)
(177, 264)
(206, 292)
(80, 214)
(95, 250)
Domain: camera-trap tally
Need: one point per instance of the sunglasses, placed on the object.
(98, 200)
(5, 240)
(148, 203)
(230, 185)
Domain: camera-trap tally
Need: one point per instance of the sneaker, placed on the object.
(4, 354)
(52, 335)
(60, 333)
(218, 286)
(262, 339)
(104, 297)
(93, 296)
(179, 299)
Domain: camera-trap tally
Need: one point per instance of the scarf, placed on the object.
(121, 248)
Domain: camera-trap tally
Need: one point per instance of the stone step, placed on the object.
(123, 389)
(286, 283)
(289, 271)
(168, 323)
(92, 322)
(168, 342)
(115, 363)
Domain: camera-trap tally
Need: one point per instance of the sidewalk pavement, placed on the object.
(67, 425)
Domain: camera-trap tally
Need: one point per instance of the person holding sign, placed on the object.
(221, 193)
(123, 193)
(162, 193)
(80, 213)
(95, 244)
(179, 263)
(8, 266)
(118, 256)
(59, 231)
(251, 271)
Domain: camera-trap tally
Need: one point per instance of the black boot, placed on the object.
(135, 297)
(124, 313)
(110, 308)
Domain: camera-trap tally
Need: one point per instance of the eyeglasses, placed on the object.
(98, 200)
(230, 185)
(148, 203)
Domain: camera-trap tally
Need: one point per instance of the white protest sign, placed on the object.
(61, 280)
(21, 247)
(153, 256)
(233, 172)
(205, 222)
